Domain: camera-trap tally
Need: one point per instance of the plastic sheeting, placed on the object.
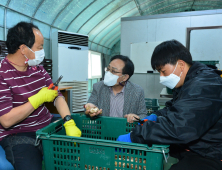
(100, 19)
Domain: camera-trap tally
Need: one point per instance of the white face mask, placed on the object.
(110, 79)
(39, 57)
(170, 81)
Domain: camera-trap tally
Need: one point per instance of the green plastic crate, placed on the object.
(210, 62)
(169, 91)
(97, 149)
(151, 105)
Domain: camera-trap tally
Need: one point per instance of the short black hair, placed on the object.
(21, 33)
(169, 52)
(129, 66)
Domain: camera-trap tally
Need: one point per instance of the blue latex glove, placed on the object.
(124, 138)
(152, 117)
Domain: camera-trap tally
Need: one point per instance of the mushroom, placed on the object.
(94, 110)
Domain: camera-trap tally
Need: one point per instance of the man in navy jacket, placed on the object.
(191, 123)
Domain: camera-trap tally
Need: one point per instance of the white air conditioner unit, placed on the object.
(69, 56)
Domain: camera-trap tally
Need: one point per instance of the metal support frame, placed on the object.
(170, 15)
(7, 4)
(79, 14)
(5, 13)
(51, 26)
(28, 16)
(166, 6)
(50, 42)
(188, 6)
(37, 10)
(61, 12)
(107, 34)
(114, 40)
(5, 23)
(192, 5)
(108, 16)
(113, 22)
(155, 4)
(173, 5)
(117, 35)
(107, 52)
(189, 29)
(98, 45)
(95, 14)
(138, 7)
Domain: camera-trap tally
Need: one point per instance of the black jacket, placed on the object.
(193, 118)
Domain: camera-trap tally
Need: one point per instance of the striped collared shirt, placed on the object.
(15, 89)
(116, 103)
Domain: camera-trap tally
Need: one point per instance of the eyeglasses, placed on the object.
(112, 71)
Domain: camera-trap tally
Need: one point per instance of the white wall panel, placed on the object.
(133, 33)
(172, 28)
(206, 20)
(151, 30)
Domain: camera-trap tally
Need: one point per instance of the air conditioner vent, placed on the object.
(72, 39)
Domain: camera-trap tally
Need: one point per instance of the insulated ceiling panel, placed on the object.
(86, 14)
(71, 12)
(104, 32)
(110, 34)
(107, 10)
(100, 19)
(99, 49)
(49, 9)
(166, 6)
(26, 7)
(3, 2)
(111, 18)
(13, 18)
(112, 39)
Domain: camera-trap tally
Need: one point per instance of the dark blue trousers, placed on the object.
(21, 152)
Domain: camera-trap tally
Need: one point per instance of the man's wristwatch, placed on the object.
(67, 118)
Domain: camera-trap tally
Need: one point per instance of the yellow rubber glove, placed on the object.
(72, 129)
(44, 95)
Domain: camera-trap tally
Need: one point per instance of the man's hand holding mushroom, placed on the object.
(92, 110)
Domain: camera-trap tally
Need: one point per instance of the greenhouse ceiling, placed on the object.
(99, 19)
